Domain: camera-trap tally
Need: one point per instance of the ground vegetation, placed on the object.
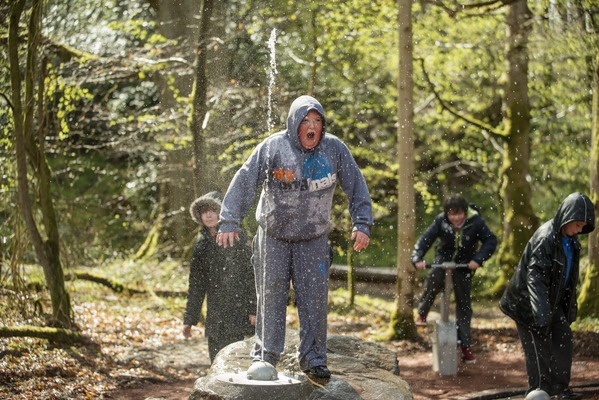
(132, 346)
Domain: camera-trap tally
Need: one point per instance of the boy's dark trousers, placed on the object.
(462, 287)
(219, 342)
(548, 356)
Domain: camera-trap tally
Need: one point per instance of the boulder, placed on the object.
(360, 370)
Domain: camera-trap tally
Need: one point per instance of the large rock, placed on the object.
(360, 370)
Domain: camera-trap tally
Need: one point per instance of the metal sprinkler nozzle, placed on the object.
(262, 371)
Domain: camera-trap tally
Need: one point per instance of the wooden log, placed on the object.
(365, 274)
(60, 335)
(119, 287)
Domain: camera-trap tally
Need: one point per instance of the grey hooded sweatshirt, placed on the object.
(297, 184)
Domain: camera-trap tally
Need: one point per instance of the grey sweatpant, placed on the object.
(306, 265)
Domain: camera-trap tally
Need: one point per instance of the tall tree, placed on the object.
(588, 301)
(178, 187)
(199, 107)
(519, 219)
(29, 148)
(402, 320)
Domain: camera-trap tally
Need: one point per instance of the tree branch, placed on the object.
(468, 119)
(458, 7)
(7, 99)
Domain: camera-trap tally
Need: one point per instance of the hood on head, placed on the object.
(297, 112)
(209, 201)
(576, 207)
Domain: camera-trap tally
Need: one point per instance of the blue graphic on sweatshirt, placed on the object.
(317, 175)
(317, 172)
(322, 268)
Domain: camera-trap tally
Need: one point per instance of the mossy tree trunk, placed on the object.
(519, 220)
(199, 105)
(402, 324)
(30, 150)
(180, 182)
(588, 300)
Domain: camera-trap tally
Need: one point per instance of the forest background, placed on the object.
(116, 115)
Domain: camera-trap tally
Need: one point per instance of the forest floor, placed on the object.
(135, 350)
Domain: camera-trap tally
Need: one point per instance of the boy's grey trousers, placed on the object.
(306, 265)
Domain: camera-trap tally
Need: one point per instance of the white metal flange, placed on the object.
(235, 378)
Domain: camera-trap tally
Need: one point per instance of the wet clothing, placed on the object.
(541, 295)
(550, 370)
(306, 264)
(297, 187)
(224, 277)
(297, 184)
(473, 241)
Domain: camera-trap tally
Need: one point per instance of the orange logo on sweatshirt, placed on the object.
(285, 175)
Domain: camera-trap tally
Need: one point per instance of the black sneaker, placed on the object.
(569, 394)
(318, 372)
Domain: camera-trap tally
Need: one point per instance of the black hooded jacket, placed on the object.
(537, 290)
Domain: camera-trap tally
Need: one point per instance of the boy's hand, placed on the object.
(361, 240)
(473, 265)
(226, 239)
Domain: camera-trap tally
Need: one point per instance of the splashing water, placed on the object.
(272, 41)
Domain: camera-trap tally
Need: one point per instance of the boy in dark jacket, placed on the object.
(541, 296)
(224, 277)
(459, 230)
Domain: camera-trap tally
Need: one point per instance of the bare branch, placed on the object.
(7, 99)
(468, 119)
(457, 7)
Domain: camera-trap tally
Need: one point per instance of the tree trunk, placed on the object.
(172, 227)
(199, 107)
(402, 320)
(189, 172)
(519, 219)
(48, 250)
(177, 20)
(588, 300)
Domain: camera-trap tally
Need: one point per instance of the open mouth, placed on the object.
(310, 135)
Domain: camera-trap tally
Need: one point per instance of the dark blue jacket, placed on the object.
(459, 246)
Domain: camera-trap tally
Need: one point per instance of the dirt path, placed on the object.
(499, 365)
(169, 391)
